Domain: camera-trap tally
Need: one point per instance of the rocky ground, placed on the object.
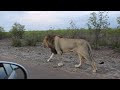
(34, 58)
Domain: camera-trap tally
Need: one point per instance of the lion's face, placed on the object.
(48, 41)
(45, 42)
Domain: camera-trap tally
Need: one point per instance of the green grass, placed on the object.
(109, 38)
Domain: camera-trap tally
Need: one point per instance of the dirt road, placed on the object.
(34, 60)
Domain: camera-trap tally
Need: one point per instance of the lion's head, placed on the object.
(48, 42)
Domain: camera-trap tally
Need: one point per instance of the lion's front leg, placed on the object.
(77, 66)
(50, 57)
(80, 58)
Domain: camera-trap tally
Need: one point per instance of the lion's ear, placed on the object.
(60, 36)
(57, 46)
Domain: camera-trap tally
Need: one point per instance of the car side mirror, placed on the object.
(10, 70)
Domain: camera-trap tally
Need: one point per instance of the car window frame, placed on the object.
(6, 75)
(6, 69)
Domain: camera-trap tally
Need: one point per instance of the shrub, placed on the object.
(30, 42)
(30, 39)
(2, 32)
(16, 42)
(17, 31)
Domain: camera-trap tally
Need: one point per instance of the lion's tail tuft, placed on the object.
(90, 52)
(101, 63)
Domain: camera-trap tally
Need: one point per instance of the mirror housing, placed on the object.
(10, 70)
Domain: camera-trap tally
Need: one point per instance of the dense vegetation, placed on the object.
(98, 33)
(110, 37)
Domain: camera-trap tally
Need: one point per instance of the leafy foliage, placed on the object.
(17, 30)
(2, 32)
(98, 22)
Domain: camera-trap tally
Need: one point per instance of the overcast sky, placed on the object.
(43, 20)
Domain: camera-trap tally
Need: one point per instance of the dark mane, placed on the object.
(50, 39)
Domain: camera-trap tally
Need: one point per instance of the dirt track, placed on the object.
(34, 60)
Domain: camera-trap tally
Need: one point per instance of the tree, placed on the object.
(73, 25)
(73, 29)
(118, 21)
(1, 32)
(17, 30)
(98, 21)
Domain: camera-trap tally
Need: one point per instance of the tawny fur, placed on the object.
(59, 45)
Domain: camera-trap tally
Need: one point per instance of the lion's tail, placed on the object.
(90, 53)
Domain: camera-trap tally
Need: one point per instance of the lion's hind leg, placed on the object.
(94, 67)
(80, 58)
(87, 57)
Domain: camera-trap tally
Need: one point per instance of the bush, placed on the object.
(30, 42)
(17, 31)
(109, 38)
(16, 42)
(117, 50)
(30, 39)
(2, 32)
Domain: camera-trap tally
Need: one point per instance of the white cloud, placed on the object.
(44, 19)
(51, 17)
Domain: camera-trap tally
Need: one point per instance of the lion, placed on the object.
(60, 45)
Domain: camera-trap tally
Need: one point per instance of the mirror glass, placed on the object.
(2, 72)
(12, 71)
(20, 74)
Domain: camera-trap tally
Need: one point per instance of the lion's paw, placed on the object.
(77, 66)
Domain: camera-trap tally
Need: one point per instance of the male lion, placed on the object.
(59, 45)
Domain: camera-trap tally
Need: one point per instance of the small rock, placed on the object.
(60, 64)
(39, 53)
(55, 66)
